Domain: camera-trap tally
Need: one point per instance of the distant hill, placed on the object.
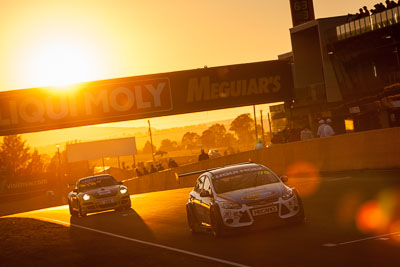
(46, 142)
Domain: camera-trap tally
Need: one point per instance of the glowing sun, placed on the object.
(62, 63)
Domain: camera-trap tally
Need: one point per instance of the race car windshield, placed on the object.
(92, 183)
(244, 180)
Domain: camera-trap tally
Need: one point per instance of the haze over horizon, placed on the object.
(45, 141)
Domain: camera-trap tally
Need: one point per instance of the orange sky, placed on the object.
(47, 42)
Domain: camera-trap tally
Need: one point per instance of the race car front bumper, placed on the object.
(270, 212)
(106, 204)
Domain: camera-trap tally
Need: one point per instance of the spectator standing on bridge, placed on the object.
(259, 144)
(277, 138)
(159, 167)
(320, 131)
(152, 169)
(366, 11)
(328, 130)
(203, 155)
(138, 172)
(390, 4)
(172, 164)
(306, 133)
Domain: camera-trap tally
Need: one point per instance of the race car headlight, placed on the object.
(287, 194)
(231, 205)
(123, 190)
(86, 197)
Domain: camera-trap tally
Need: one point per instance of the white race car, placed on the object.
(241, 195)
(98, 193)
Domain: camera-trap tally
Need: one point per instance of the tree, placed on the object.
(229, 140)
(190, 140)
(216, 136)
(168, 145)
(36, 166)
(14, 156)
(61, 172)
(219, 132)
(243, 127)
(208, 139)
(147, 148)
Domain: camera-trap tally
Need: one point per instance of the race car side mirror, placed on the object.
(284, 178)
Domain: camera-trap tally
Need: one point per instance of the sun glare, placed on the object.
(306, 175)
(60, 64)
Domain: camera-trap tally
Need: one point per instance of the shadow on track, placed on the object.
(127, 223)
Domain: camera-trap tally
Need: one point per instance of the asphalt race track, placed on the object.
(353, 219)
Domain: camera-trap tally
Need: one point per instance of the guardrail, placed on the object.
(379, 149)
(368, 23)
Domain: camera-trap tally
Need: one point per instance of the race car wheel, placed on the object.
(71, 210)
(217, 227)
(193, 224)
(80, 211)
(300, 216)
(127, 207)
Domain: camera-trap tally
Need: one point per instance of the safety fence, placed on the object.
(378, 149)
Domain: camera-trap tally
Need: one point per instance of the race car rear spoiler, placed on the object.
(178, 176)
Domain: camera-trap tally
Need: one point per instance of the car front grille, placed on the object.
(100, 196)
(245, 217)
(108, 205)
(266, 219)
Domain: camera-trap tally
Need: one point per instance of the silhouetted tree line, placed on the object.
(19, 164)
(242, 132)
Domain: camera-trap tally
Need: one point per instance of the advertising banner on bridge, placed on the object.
(145, 96)
(101, 149)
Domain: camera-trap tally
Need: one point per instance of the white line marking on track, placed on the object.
(337, 179)
(329, 245)
(378, 237)
(148, 243)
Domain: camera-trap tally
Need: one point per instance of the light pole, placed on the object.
(151, 142)
(255, 122)
(58, 153)
(262, 127)
(59, 168)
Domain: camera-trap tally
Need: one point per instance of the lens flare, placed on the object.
(382, 214)
(305, 176)
(371, 218)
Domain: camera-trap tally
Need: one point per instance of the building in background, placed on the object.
(347, 69)
(365, 56)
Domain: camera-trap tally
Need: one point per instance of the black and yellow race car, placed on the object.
(98, 193)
